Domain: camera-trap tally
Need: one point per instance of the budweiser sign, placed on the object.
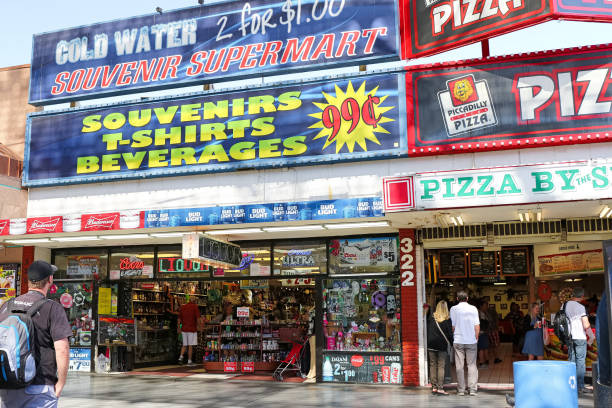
(44, 224)
(100, 222)
(4, 227)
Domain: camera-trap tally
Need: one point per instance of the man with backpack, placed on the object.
(39, 327)
(580, 329)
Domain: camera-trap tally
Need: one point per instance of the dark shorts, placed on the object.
(33, 396)
(483, 342)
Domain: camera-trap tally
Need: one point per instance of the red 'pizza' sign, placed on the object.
(552, 98)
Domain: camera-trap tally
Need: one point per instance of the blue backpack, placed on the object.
(17, 344)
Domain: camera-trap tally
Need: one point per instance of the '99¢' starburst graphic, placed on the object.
(351, 117)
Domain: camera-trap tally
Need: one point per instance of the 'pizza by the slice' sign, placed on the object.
(589, 180)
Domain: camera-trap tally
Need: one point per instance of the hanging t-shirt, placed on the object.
(575, 311)
(464, 317)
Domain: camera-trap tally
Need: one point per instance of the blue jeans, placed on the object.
(577, 353)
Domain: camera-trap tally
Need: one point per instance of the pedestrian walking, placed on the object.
(466, 329)
(188, 326)
(580, 329)
(439, 343)
(51, 345)
(534, 337)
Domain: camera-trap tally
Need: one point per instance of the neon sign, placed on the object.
(180, 265)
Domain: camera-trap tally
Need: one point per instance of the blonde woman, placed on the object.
(439, 341)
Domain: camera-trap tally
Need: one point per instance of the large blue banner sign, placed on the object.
(265, 213)
(222, 41)
(346, 119)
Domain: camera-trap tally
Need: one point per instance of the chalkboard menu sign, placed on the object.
(483, 263)
(115, 330)
(452, 264)
(515, 261)
(364, 368)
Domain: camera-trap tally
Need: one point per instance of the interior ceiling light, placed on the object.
(296, 228)
(28, 241)
(168, 234)
(125, 236)
(357, 225)
(605, 212)
(76, 239)
(235, 231)
(442, 221)
(530, 215)
(457, 220)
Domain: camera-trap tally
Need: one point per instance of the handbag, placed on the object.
(449, 347)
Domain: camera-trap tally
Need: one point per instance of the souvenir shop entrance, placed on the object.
(334, 301)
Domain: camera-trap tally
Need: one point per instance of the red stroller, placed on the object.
(292, 362)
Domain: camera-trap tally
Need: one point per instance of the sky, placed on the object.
(23, 18)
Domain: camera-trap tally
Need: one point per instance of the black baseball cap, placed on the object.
(39, 270)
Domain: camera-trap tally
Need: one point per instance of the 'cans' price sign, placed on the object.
(230, 367)
(248, 367)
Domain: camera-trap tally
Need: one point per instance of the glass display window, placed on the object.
(76, 299)
(300, 258)
(363, 255)
(170, 264)
(132, 263)
(255, 262)
(361, 314)
(83, 265)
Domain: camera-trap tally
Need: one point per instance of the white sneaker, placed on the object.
(190, 363)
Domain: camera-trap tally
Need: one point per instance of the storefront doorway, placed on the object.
(497, 283)
(504, 283)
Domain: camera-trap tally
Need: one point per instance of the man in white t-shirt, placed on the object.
(580, 328)
(466, 328)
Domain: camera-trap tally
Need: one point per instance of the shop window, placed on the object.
(361, 324)
(255, 262)
(76, 298)
(84, 265)
(132, 263)
(170, 264)
(361, 315)
(363, 255)
(301, 258)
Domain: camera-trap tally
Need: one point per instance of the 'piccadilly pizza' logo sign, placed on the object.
(466, 105)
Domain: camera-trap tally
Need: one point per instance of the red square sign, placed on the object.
(398, 193)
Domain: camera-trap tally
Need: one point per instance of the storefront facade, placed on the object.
(352, 194)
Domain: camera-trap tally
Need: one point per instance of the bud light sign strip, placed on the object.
(227, 40)
(342, 120)
(554, 98)
(438, 25)
(266, 213)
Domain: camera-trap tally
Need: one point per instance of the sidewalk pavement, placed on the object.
(85, 390)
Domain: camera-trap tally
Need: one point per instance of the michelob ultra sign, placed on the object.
(216, 42)
(347, 119)
(552, 98)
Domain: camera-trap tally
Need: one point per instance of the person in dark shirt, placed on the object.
(516, 317)
(189, 324)
(439, 339)
(52, 351)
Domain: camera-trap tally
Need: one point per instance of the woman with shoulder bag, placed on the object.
(439, 338)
